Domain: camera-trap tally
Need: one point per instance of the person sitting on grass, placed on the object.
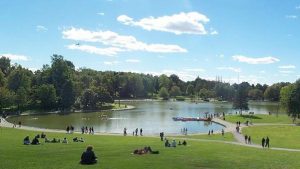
(88, 157)
(167, 144)
(35, 141)
(173, 143)
(65, 140)
(43, 135)
(26, 140)
(184, 143)
(179, 143)
(54, 140)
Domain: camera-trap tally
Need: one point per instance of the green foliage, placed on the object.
(6, 98)
(46, 95)
(190, 90)
(240, 100)
(272, 93)
(2, 79)
(255, 94)
(163, 93)
(175, 91)
(5, 65)
(180, 98)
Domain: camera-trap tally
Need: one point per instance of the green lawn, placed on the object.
(226, 137)
(260, 118)
(280, 136)
(115, 153)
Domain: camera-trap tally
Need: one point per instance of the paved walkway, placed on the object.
(229, 127)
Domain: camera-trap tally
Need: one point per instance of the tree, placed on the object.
(164, 81)
(272, 93)
(204, 93)
(88, 99)
(67, 96)
(47, 96)
(103, 96)
(240, 100)
(2, 79)
(19, 78)
(290, 99)
(163, 93)
(255, 94)
(190, 90)
(5, 98)
(175, 91)
(5, 65)
(21, 98)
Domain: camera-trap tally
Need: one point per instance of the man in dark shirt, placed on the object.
(88, 157)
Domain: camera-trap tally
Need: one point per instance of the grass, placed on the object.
(116, 106)
(260, 118)
(114, 152)
(280, 136)
(226, 137)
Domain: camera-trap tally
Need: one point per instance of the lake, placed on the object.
(153, 116)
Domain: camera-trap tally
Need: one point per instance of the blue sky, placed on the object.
(245, 40)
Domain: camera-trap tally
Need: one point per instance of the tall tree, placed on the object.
(240, 100)
(46, 95)
(163, 93)
(4, 65)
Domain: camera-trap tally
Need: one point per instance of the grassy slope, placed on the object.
(115, 152)
(260, 118)
(280, 136)
(227, 137)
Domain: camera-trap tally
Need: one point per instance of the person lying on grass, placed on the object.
(88, 157)
(78, 140)
(145, 150)
(54, 140)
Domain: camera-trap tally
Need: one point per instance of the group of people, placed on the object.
(70, 129)
(87, 130)
(15, 125)
(247, 139)
(174, 144)
(210, 132)
(35, 141)
(184, 131)
(135, 132)
(265, 142)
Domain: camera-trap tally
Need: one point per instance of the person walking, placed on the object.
(249, 139)
(141, 132)
(136, 131)
(267, 142)
(263, 142)
(125, 131)
(223, 132)
(246, 139)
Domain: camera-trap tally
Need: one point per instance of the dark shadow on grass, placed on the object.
(250, 117)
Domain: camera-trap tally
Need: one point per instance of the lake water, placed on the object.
(153, 116)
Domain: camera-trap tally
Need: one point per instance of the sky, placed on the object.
(257, 41)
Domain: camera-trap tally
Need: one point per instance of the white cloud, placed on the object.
(291, 16)
(262, 72)
(237, 70)
(298, 7)
(287, 67)
(182, 23)
(286, 71)
(118, 42)
(110, 51)
(15, 56)
(111, 63)
(100, 13)
(41, 28)
(214, 33)
(252, 60)
(133, 61)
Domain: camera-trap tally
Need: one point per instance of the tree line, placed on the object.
(59, 86)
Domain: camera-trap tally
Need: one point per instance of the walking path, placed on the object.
(229, 127)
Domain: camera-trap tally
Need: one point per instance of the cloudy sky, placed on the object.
(254, 41)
